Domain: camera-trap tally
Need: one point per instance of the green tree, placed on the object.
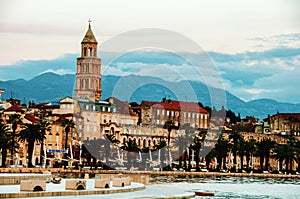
(109, 139)
(31, 133)
(169, 125)
(180, 142)
(4, 142)
(263, 151)
(235, 137)
(292, 153)
(68, 125)
(197, 144)
(14, 120)
(44, 127)
(281, 151)
(249, 151)
(241, 151)
(131, 147)
(222, 148)
(269, 145)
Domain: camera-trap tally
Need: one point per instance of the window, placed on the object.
(172, 113)
(87, 128)
(85, 52)
(163, 112)
(50, 137)
(90, 52)
(86, 107)
(157, 111)
(168, 113)
(189, 115)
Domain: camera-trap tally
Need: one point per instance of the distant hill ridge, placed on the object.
(49, 87)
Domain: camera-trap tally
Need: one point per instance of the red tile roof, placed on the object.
(177, 106)
(31, 118)
(14, 108)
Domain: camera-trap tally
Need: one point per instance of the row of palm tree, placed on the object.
(264, 149)
(30, 133)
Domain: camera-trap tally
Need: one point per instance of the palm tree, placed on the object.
(292, 152)
(241, 151)
(222, 148)
(4, 142)
(93, 148)
(263, 150)
(161, 146)
(68, 125)
(130, 146)
(280, 153)
(235, 136)
(180, 141)
(109, 139)
(169, 125)
(31, 133)
(44, 127)
(269, 146)
(260, 152)
(197, 143)
(14, 120)
(249, 151)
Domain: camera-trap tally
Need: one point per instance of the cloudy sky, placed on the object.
(254, 46)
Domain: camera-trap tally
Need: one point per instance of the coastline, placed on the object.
(150, 173)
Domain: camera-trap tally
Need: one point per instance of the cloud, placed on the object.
(272, 73)
(60, 71)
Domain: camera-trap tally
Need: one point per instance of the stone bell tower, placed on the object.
(88, 75)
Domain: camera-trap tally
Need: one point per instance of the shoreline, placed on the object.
(165, 173)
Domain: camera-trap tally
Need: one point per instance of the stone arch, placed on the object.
(80, 187)
(38, 188)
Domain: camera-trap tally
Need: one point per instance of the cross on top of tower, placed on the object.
(89, 22)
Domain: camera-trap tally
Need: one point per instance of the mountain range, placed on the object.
(50, 87)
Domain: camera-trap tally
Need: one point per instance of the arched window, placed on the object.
(90, 52)
(149, 143)
(84, 51)
(144, 143)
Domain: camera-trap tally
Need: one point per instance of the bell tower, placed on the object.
(88, 75)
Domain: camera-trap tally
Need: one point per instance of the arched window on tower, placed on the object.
(95, 52)
(90, 52)
(84, 51)
(88, 68)
(81, 83)
(87, 85)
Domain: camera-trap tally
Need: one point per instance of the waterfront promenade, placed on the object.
(150, 173)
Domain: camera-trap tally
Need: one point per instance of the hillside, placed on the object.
(49, 87)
